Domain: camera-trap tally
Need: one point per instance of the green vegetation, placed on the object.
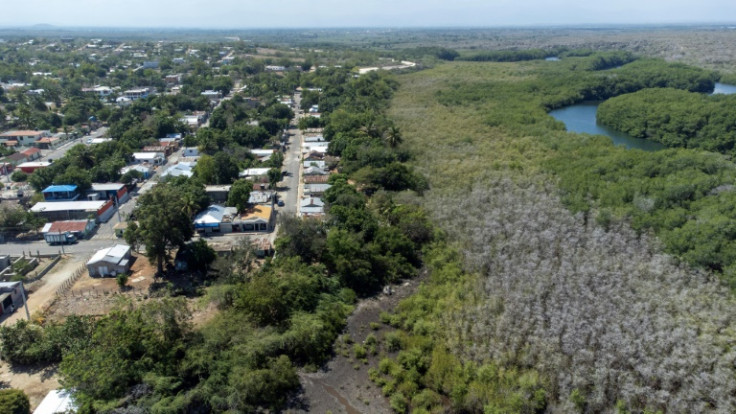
(675, 118)
(14, 402)
(512, 318)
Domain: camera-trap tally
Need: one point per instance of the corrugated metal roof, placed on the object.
(91, 206)
(60, 188)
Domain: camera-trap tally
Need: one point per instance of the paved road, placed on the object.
(292, 166)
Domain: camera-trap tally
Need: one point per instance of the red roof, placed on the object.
(24, 132)
(72, 226)
(47, 140)
(30, 151)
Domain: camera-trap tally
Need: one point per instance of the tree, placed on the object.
(274, 176)
(199, 255)
(14, 401)
(393, 137)
(165, 222)
(19, 176)
(226, 169)
(239, 194)
(206, 169)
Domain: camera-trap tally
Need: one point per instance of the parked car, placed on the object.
(280, 203)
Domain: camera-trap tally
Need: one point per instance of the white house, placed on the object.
(110, 261)
(153, 158)
(182, 169)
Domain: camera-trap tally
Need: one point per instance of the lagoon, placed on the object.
(581, 118)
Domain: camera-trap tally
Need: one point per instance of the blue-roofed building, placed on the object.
(60, 193)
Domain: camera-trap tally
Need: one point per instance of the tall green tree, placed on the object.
(165, 222)
(239, 194)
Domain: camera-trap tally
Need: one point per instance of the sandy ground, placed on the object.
(35, 382)
(98, 295)
(343, 386)
(43, 292)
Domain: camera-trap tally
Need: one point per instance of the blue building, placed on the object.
(60, 193)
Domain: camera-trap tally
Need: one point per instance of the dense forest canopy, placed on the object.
(675, 118)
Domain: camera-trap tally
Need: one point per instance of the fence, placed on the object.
(70, 281)
(98, 293)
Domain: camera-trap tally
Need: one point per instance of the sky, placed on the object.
(246, 14)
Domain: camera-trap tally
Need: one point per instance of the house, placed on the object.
(166, 149)
(25, 138)
(173, 79)
(100, 210)
(315, 190)
(172, 143)
(117, 192)
(190, 152)
(150, 64)
(29, 167)
(137, 93)
(185, 169)
(99, 91)
(32, 154)
(48, 142)
(275, 68)
(311, 207)
(145, 170)
(16, 158)
(177, 60)
(314, 170)
(255, 174)
(151, 158)
(215, 219)
(60, 193)
(314, 156)
(110, 261)
(262, 154)
(212, 95)
(315, 163)
(217, 193)
(57, 230)
(256, 218)
(260, 197)
(12, 297)
(123, 101)
(316, 179)
(314, 138)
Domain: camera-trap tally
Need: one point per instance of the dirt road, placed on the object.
(45, 289)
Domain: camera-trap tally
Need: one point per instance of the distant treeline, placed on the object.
(675, 118)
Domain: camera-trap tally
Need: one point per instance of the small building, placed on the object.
(212, 95)
(260, 197)
(165, 149)
(48, 142)
(316, 179)
(95, 141)
(16, 158)
(215, 219)
(314, 170)
(311, 207)
(144, 169)
(315, 163)
(60, 193)
(110, 261)
(315, 190)
(182, 169)
(218, 193)
(255, 174)
(29, 167)
(190, 152)
(150, 64)
(57, 231)
(25, 138)
(12, 297)
(256, 218)
(137, 93)
(32, 154)
(152, 158)
(262, 154)
(99, 91)
(117, 192)
(56, 401)
(100, 211)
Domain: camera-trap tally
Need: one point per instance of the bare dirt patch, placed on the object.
(36, 382)
(343, 386)
(98, 295)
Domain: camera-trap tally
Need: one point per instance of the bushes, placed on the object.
(14, 402)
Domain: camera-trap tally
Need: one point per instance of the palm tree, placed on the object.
(393, 137)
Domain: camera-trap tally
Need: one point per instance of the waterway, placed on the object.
(581, 118)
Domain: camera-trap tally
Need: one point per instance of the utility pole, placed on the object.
(25, 302)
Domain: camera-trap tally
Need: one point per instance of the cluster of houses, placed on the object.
(315, 173)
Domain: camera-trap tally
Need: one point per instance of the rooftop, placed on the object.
(256, 213)
(114, 254)
(66, 188)
(91, 206)
(23, 132)
(72, 226)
